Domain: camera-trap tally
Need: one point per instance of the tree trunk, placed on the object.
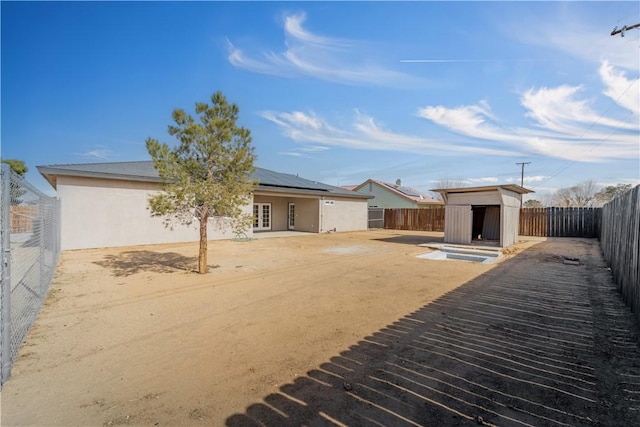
(202, 255)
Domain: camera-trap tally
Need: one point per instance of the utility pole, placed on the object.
(623, 29)
(522, 172)
(522, 177)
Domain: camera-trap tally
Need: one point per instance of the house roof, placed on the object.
(510, 187)
(268, 180)
(409, 193)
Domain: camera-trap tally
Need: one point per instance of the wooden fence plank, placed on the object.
(620, 243)
(560, 222)
(414, 219)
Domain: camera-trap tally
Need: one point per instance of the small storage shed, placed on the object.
(482, 214)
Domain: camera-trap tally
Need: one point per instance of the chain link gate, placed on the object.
(30, 248)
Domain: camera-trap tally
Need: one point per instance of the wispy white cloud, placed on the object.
(527, 179)
(98, 153)
(305, 151)
(620, 89)
(491, 179)
(365, 133)
(570, 34)
(324, 58)
(314, 149)
(291, 153)
(563, 125)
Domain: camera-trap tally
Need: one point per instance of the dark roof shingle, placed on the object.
(144, 171)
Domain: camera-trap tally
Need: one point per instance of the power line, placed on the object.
(602, 140)
(623, 29)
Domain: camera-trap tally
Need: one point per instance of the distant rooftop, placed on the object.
(410, 193)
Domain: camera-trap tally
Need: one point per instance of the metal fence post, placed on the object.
(5, 291)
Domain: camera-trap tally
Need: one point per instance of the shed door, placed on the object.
(458, 222)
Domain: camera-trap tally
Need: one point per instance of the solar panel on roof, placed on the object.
(408, 191)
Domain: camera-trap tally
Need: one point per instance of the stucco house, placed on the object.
(396, 195)
(106, 205)
(488, 213)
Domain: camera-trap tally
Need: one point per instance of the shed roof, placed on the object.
(510, 187)
(268, 180)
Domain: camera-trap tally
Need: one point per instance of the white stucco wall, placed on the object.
(343, 214)
(105, 213)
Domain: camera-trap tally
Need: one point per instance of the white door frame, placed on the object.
(262, 216)
(291, 216)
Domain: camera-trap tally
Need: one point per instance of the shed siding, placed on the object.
(510, 224)
(479, 198)
(510, 217)
(457, 224)
(105, 213)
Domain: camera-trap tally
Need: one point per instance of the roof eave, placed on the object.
(54, 172)
(510, 187)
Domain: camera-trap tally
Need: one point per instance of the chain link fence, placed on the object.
(30, 247)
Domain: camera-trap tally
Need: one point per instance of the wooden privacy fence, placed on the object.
(560, 222)
(620, 243)
(414, 219)
(22, 218)
(543, 222)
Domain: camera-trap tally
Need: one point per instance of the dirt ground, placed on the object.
(131, 336)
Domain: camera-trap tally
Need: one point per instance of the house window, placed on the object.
(262, 216)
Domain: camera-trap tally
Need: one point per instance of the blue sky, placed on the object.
(335, 92)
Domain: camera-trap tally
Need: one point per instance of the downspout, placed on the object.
(321, 208)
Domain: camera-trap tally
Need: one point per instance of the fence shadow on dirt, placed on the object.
(132, 262)
(531, 342)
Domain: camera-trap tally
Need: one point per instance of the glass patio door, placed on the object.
(261, 216)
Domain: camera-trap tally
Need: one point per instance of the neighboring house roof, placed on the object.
(268, 180)
(349, 187)
(408, 193)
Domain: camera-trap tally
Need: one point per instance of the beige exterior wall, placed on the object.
(278, 211)
(307, 215)
(105, 213)
(306, 212)
(343, 214)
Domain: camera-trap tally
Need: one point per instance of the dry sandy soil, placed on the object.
(131, 336)
(332, 329)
